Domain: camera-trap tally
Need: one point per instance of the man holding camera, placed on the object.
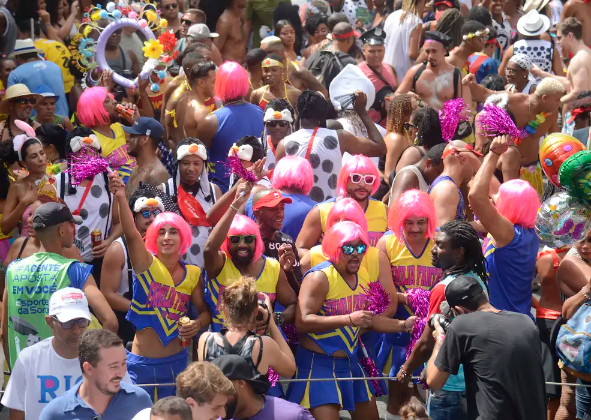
(500, 352)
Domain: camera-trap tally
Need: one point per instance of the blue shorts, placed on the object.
(144, 370)
(392, 354)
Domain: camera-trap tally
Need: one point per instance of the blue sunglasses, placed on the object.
(146, 213)
(349, 249)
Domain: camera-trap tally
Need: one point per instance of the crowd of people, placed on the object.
(201, 202)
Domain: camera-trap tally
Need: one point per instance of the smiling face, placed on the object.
(514, 73)
(241, 248)
(109, 371)
(23, 106)
(272, 216)
(321, 32)
(374, 54)
(169, 240)
(142, 223)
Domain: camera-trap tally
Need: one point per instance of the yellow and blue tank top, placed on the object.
(341, 299)
(410, 271)
(266, 282)
(158, 303)
(376, 215)
(370, 262)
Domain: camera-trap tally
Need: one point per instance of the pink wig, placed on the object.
(293, 172)
(357, 164)
(173, 220)
(340, 234)
(348, 209)
(242, 225)
(518, 202)
(412, 203)
(91, 109)
(231, 82)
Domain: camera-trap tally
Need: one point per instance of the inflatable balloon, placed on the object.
(562, 220)
(554, 150)
(575, 175)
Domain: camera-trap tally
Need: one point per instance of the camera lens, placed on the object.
(441, 320)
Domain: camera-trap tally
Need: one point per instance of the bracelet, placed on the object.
(585, 293)
(233, 208)
(351, 321)
(493, 151)
(403, 372)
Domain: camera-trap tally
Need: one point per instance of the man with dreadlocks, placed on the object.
(457, 252)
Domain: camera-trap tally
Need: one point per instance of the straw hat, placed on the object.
(535, 5)
(15, 91)
(533, 23)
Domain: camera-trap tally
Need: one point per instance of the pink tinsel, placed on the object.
(418, 301)
(377, 298)
(291, 334)
(450, 116)
(85, 165)
(370, 368)
(496, 121)
(272, 376)
(235, 165)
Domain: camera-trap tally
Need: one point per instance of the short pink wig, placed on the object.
(412, 203)
(357, 164)
(173, 220)
(91, 109)
(293, 172)
(242, 225)
(518, 202)
(339, 235)
(231, 82)
(348, 209)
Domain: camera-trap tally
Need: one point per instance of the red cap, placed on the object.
(347, 35)
(447, 3)
(271, 200)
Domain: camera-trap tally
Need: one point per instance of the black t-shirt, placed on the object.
(502, 358)
(272, 247)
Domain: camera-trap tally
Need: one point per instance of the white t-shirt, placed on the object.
(398, 39)
(143, 415)
(39, 376)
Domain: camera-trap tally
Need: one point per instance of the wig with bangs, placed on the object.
(340, 234)
(412, 203)
(347, 209)
(91, 109)
(518, 202)
(174, 220)
(242, 225)
(361, 165)
(293, 172)
(231, 82)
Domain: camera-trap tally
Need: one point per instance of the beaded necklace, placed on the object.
(533, 125)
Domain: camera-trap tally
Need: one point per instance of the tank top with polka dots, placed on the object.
(539, 52)
(325, 157)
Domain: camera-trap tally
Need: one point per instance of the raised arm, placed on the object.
(506, 56)
(374, 146)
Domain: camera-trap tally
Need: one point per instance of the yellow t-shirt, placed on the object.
(58, 53)
(115, 151)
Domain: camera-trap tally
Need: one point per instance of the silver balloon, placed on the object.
(562, 221)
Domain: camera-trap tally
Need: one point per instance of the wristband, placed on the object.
(233, 208)
(585, 293)
(351, 321)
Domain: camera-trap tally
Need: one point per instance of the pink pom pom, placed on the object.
(418, 301)
(450, 116)
(378, 299)
(496, 121)
(370, 368)
(85, 165)
(235, 165)
(272, 376)
(291, 334)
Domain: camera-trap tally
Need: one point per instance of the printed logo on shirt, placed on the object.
(406, 277)
(344, 306)
(162, 296)
(49, 386)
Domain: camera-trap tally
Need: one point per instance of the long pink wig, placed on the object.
(357, 164)
(340, 234)
(293, 172)
(173, 220)
(242, 225)
(91, 109)
(348, 209)
(518, 202)
(231, 81)
(412, 203)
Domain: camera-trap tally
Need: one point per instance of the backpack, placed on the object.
(326, 65)
(573, 344)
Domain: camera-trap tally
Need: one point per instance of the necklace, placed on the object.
(533, 125)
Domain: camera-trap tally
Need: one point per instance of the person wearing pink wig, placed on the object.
(163, 290)
(359, 179)
(234, 249)
(512, 245)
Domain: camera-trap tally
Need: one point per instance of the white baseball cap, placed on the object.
(69, 303)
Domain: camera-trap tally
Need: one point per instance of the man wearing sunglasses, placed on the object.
(169, 9)
(18, 104)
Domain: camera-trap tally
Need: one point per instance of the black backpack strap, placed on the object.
(256, 365)
(63, 186)
(110, 214)
(415, 78)
(205, 345)
(129, 269)
(457, 74)
(23, 246)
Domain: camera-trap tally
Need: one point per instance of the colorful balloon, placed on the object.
(562, 220)
(554, 150)
(133, 15)
(575, 175)
(117, 14)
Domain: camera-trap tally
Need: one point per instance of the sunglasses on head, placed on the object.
(187, 22)
(368, 179)
(24, 101)
(146, 213)
(82, 323)
(171, 6)
(281, 124)
(408, 126)
(349, 249)
(248, 239)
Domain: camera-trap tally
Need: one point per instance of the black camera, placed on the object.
(259, 316)
(441, 320)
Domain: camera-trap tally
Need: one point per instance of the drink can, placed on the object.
(96, 237)
(120, 109)
(185, 342)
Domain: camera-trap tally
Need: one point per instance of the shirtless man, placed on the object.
(581, 10)
(276, 88)
(437, 81)
(231, 42)
(297, 76)
(202, 81)
(474, 37)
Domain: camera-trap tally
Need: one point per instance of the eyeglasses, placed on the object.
(171, 6)
(368, 179)
(349, 249)
(407, 126)
(187, 22)
(281, 124)
(147, 213)
(82, 323)
(235, 239)
(25, 101)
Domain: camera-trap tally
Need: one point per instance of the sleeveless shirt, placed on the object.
(461, 209)
(540, 52)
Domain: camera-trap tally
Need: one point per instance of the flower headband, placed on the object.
(143, 202)
(92, 141)
(18, 141)
(269, 62)
(191, 149)
(243, 152)
(272, 115)
(484, 31)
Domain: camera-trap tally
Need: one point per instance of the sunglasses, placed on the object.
(25, 101)
(281, 124)
(187, 22)
(457, 152)
(147, 213)
(349, 249)
(407, 126)
(368, 179)
(235, 239)
(171, 6)
(82, 323)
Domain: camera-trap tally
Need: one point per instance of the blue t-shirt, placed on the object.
(37, 73)
(129, 401)
(511, 269)
(295, 212)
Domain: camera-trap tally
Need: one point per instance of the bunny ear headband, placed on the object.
(271, 115)
(144, 202)
(92, 141)
(243, 152)
(19, 140)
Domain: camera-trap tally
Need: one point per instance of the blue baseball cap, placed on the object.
(146, 126)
